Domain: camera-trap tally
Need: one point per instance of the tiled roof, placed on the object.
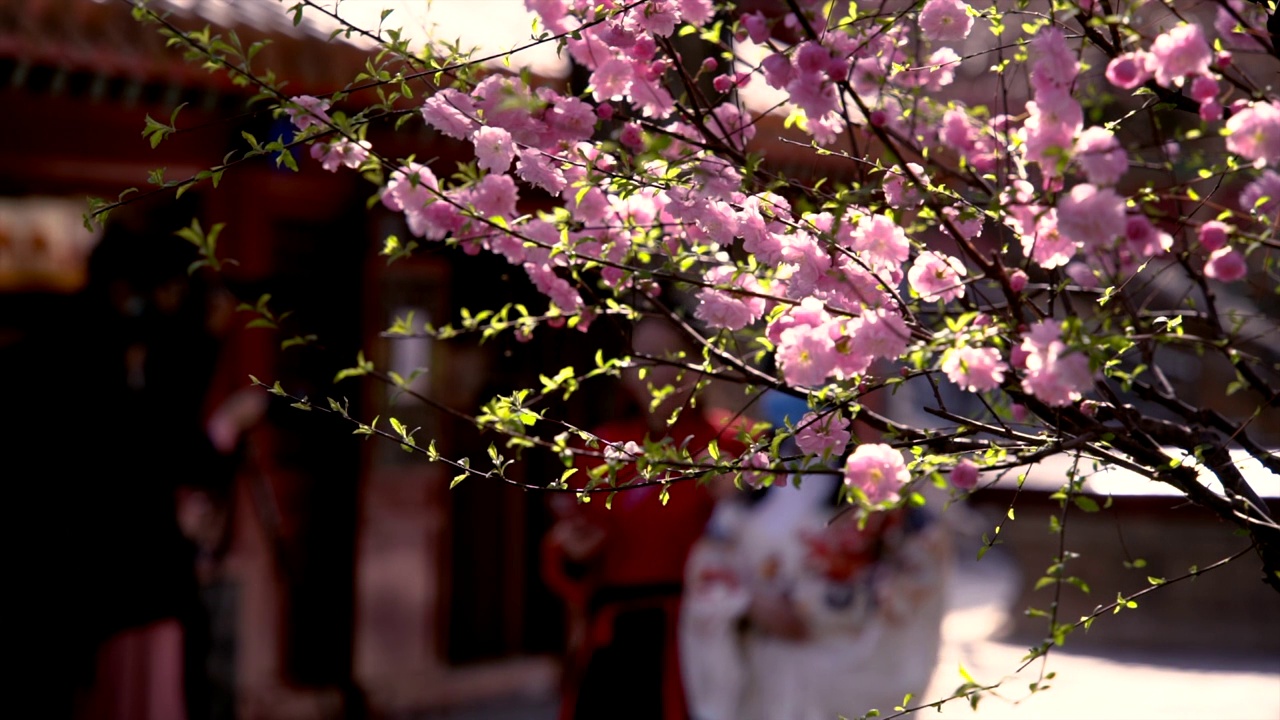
(101, 37)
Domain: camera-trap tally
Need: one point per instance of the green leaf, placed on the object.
(1085, 503)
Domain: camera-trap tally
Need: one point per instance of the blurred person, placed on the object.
(620, 569)
(796, 611)
(138, 348)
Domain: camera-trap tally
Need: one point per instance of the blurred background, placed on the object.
(161, 507)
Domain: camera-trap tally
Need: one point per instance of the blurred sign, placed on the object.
(44, 244)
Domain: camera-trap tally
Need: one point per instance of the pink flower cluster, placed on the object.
(833, 284)
(945, 20)
(976, 369)
(1254, 133)
(1054, 116)
(878, 471)
(341, 153)
(307, 111)
(1054, 375)
(822, 434)
(935, 276)
(812, 345)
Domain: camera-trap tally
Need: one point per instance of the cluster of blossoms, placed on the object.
(835, 283)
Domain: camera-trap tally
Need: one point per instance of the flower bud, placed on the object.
(964, 476)
(1018, 281)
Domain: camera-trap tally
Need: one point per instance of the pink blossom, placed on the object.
(814, 94)
(1053, 120)
(976, 369)
(1204, 89)
(823, 435)
(757, 27)
(1056, 65)
(659, 17)
(621, 453)
(1226, 264)
(1130, 70)
(611, 80)
(537, 169)
(563, 295)
(1053, 375)
(1060, 383)
(433, 221)
(810, 313)
(651, 97)
(1211, 111)
(553, 13)
(1090, 216)
(1017, 281)
(341, 152)
(1213, 235)
(806, 357)
(589, 50)
(725, 308)
(733, 125)
(778, 70)
(718, 219)
(968, 227)
(494, 149)
(495, 195)
(641, 207)
(1144, 239)
(1083, 275)
(1180, 53)
(880, 333)
(309, 111)
(1242, 36)
(964, 476)
(632, 137)
(755, 470)
(1255, 133)
(697, 12)
(958, 132)
(878, 471)
(900, 191)
(812, 59)
(410, 188)
(572, 118)
(1266, 186)
(935, 276)
(450, 112)
(1100, 156)
(589, 207)
(940, 69)
(868, 76)
(945, 20)
(881, 240)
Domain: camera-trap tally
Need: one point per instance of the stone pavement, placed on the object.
(1106, 685)
(1113, 684)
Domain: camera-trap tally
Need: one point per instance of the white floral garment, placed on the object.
(871, 602)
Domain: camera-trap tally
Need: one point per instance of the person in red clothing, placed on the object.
(620, 568)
